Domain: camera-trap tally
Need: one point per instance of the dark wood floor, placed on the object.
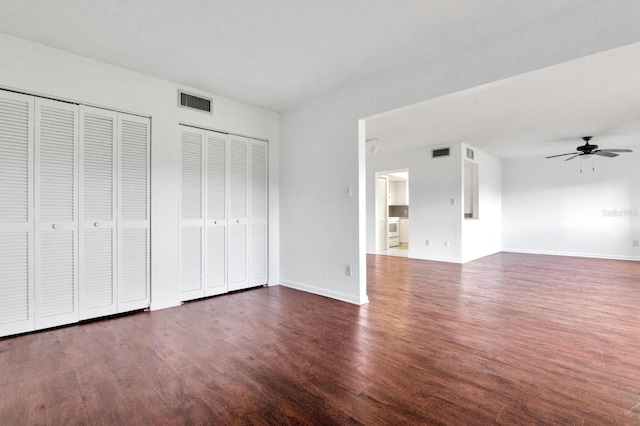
(507, 339)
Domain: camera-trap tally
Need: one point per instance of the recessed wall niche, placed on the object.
(471, 174)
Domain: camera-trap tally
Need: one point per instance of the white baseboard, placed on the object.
(572, 254)
(156, 306)
(324, 292)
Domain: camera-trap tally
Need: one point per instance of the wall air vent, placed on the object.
(187, 100)
(441, 152)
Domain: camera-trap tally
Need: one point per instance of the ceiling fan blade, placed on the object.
(561, 155)
(615, 150)
(605, 153)
(571, 158)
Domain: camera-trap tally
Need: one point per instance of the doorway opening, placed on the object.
(392, 213)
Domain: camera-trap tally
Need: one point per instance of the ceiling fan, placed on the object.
(588, 151)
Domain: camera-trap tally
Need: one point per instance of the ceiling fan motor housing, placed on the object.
(587, 148)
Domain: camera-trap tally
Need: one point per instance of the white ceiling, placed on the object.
(535, 115)
(278, 53)
(269, 53)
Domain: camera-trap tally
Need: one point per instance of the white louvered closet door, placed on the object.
(16, 213)
(216, 214)
(56, 186)
(258, 199)
(97, 212)
(238, 212)
(133, 211)
(192, 214)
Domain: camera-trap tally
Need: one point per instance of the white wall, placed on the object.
(549, 207)
(37, 69)
(482, 236)
(433, 182)
(322, 150)
(319, 228)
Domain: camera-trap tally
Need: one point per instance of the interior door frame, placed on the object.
(386, 174)
(381, 240)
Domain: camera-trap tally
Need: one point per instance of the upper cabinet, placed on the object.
(402, 193)
(398, 193)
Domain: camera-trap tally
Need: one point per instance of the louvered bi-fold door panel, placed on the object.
(56, 186)
(97, 212)
(238, 212)
(16, 213)
(216, 214)
(133, 211)
(191, 214)
(258, 208)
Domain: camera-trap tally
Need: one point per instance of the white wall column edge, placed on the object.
(362, 212)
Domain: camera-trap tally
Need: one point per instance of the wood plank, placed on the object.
(507, 339)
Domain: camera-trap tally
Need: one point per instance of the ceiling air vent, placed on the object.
(187, 100)
(441, 152)
(470, 154)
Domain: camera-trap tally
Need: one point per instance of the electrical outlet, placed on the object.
(427, 243)
(446, 243)
(452, 201)
(635, 243)
(347, 270)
